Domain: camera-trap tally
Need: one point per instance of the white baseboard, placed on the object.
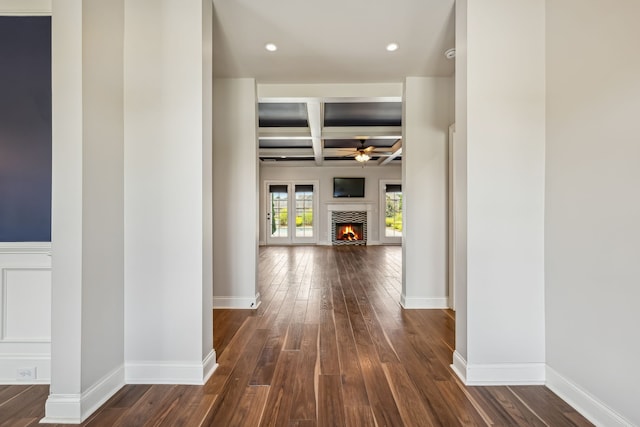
(75, 408)
(154, 372)
(10, 363)
(209, 365)
(459, 366)
(237, 302)
(589, 406)
(62, 409)
(498, 373)
(423, 303)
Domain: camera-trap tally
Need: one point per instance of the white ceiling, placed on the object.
(328, 41)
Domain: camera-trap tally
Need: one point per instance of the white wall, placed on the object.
(425, 128)
(103, 190)
(235, 191)
(505, 140)
(167, 227)
(87, 209)
(324, 175)
(593, 208)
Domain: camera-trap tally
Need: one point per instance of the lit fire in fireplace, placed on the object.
(348, 232)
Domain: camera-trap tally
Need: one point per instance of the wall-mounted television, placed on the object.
(348, 187)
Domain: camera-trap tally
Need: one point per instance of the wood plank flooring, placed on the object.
(328, 346)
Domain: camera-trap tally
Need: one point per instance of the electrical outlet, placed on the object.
(26, 373)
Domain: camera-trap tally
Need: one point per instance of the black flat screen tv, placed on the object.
(348, 187)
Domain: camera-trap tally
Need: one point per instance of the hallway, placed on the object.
(328, 346)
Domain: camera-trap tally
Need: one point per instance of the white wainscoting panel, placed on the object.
(25, 312)
(26, 304)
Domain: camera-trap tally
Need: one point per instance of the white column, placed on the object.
(503, 129)
(87, 213)
(425, 130)
(235, 191)
(168, 316)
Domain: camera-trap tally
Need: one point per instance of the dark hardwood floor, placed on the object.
(328, 346)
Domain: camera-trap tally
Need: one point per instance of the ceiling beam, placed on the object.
(396, 150)
(315, 110)
(332, 132)
(284, 133)
(356, 132)
(285, 152)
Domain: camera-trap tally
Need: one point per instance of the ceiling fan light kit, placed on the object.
(362, 157)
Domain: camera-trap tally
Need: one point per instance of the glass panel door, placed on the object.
(393, 211)
(304, 229)
(391, 201)
(290, 213)
(278, 216)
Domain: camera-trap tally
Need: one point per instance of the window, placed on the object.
(393, 210)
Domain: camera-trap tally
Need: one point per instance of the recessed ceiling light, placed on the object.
(271, 47)
(392, 47)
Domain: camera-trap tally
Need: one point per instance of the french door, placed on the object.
(291, 210)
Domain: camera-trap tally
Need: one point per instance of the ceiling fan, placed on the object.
(363, 154)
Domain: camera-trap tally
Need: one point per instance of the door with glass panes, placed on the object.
(291, 208)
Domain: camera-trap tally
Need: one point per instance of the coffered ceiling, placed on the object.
(321, 131)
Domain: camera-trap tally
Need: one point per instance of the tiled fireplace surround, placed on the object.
(349, 213)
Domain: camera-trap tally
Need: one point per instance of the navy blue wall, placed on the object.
(25, 129)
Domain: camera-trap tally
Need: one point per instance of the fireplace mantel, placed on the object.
(350, 206)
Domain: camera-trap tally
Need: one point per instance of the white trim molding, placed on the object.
(178, 372)
(498, 373)
(75, 408)
(237, 302)
(423, 303)
(588, 405)
(25, 248)
(25, 7)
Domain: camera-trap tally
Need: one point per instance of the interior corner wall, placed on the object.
(165, 174)
(592, 207)
(505, 140)
(235, 193)
(425, 129)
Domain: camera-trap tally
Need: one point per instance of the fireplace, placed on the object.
(349, 228)
(351, 231)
